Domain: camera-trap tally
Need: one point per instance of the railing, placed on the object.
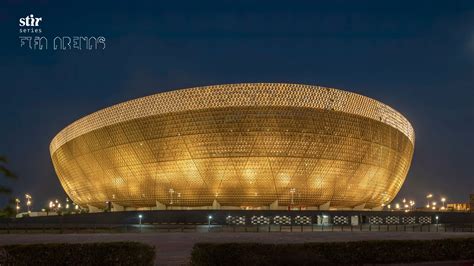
(18, 228)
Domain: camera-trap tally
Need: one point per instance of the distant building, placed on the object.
(458, 206)
(35, 214)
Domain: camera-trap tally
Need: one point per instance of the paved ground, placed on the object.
(175, 248)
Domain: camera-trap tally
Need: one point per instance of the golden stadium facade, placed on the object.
(259, 145)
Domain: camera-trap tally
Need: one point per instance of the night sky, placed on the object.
(416, 56)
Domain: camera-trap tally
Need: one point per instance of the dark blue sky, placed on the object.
(416, 56)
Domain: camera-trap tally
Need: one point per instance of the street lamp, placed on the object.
(428, 197)
(140, 221)
(28, 201)
(292, 192)
(443, 200)
(17, 201)
(397, 206)
(209, 218)
(171, 191)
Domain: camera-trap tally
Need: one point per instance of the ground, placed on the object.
(175, 248)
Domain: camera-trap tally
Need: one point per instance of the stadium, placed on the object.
(252, 146)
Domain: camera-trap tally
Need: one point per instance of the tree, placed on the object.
(5, 190)
(6, 173)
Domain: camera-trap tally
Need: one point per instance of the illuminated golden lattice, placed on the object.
(239, 145)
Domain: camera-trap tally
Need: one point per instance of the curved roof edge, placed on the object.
(232, 95)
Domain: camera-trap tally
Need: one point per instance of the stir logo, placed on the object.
(32, 38)
(30, 21)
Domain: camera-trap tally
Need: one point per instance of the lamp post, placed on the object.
(443, 200)
(428, 197)
(209, 218)
(171, 191)
(17, 201)
(140, 221)
(292, 192)
(28, 202)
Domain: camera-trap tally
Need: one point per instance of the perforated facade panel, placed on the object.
(239, 144)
